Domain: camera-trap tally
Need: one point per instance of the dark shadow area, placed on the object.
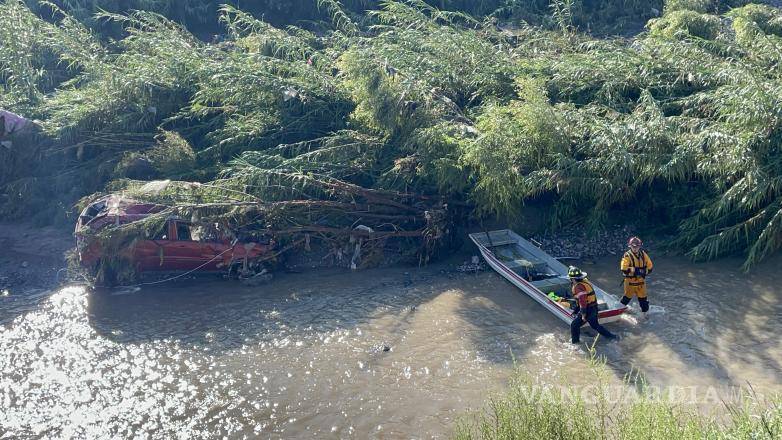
(224, 315)
(714, 315)
(31, 260)
(505, 321)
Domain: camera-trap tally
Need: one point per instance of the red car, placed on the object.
(179, 246)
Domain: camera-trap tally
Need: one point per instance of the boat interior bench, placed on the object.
(525, 265)
(560, 286)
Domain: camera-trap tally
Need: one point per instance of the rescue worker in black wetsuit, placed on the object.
(586, 310)
(635, 266)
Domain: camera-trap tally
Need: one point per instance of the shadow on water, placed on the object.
(505, 324)
(718, 327)
(717, 318)
(717, 322)
(502, 324)
(225, 315)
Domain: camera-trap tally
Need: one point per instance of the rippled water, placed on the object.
(393, 353)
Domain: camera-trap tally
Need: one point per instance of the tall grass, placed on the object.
(527, 410)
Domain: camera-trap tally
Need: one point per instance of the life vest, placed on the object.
(588, 293)
(641, 270)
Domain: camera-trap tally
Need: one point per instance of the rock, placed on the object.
(258, 279)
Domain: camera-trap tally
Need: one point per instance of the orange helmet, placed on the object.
(635, 241)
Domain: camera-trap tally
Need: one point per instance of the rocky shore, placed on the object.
(583, 245)
(579, 246)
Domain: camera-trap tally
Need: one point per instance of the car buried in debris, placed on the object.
(176, 246)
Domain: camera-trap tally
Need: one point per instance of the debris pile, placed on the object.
(355, 225)
(474, 265)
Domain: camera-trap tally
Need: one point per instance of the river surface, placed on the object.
(387, 353)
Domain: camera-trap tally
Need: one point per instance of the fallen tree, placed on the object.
(351, 225)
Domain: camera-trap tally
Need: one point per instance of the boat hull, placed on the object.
(612, 313)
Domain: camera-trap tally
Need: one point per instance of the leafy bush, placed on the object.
(686, 23)
(699, 6)
(415, 99)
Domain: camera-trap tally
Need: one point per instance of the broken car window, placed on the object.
(183, 232)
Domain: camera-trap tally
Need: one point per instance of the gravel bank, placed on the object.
(584, 245)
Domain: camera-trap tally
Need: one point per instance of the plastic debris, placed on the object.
(474, 265)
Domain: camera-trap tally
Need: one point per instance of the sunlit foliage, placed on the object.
(680, 122)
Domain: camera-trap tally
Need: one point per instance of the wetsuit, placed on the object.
(587, 303)
(635, 268)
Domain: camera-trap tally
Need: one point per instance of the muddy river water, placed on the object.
(387, 353)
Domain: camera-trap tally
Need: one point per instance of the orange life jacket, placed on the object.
(588, 293)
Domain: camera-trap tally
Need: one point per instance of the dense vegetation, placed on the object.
(679, 126)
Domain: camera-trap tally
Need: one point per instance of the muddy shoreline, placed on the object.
(34, 258)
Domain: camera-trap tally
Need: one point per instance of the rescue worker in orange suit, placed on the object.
(586, 308)
(636, 266)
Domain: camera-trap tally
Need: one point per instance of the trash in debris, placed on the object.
(475, 265)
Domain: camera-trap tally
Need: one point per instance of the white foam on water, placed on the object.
(630, 319)
(656, 310)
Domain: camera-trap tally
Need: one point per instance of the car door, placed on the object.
(151, 254)
(189, 252)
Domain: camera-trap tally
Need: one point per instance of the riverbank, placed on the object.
(31, 257)
(635, 411)
(580, 244)
(34, 257)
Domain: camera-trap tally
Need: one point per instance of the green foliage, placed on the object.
(675, 106)
(149, 80)
(759, 31)
(686, 23)
(171, 157)
(528, 410)
(415, 98)
(513, 142)
(413, 83)
(36, 55)
(699, 6)
(272, 87)
(562, 11)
